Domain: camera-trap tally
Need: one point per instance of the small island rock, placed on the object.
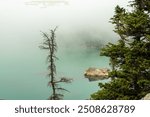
(94, 74)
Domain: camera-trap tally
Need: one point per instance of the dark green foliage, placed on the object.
(116, 89)
(141, 4)
(50, 45)
(130, 57)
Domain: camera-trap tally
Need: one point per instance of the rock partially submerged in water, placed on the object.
(94, 74)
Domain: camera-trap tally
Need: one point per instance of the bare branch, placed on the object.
(62, 89)
(51, 45)
(66, 80)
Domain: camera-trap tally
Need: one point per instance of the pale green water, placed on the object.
(22, 64)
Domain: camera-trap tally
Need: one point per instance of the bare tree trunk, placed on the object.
(50, 45)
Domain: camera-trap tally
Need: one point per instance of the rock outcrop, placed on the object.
(94, 74)
(147, 97)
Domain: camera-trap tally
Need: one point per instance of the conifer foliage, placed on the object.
(50, 45)
(130, 56)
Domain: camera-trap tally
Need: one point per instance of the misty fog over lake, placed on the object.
(83, 28)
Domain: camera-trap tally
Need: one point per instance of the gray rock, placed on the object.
(147, 97)
(94, 74)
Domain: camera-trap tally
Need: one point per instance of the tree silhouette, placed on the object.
(50, 45)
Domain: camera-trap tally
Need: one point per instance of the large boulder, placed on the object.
(94, 74)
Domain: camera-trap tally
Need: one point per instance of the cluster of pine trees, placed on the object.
(130, 56)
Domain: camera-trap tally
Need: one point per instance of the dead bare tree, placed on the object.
(50, 45)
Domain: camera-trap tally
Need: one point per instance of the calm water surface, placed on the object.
(23, 65)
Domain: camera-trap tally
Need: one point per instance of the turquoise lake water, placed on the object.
(23, 66)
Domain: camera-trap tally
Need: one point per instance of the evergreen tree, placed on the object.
(130, 56)
(50, 45)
